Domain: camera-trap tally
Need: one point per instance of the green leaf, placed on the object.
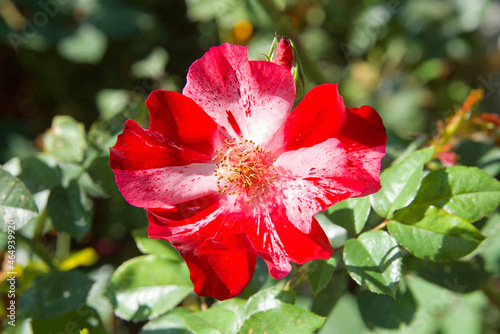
(327, 299)
(268, 299)
(67, 212)
(71, 322)
(87, 45)
(344, 318)
(381, 311)
(319, 274)
(490, 248)
(222, 317)
(400, 183)
(467, 192)
(55, 294)
(154, 246)
(65, 140)
(374, 261)
(351, 214)
(17, 206)
(37, 173)
(148, 286)
(457, 276)
(283, 318)
(437, 236)
(170, 323)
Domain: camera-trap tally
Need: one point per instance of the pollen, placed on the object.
(243, 168)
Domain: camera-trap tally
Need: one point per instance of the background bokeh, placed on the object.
(414, 61)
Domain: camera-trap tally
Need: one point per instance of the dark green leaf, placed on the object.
(148, 286)
(71, 322)
(17, 206)
(65, 140)
(482, 155)
(283, 318)
(400, 183)
(319, 273)
(67, 212)
(374, 261)
(460, 277)
(351, 214)
(37, 173)
(55, 294)
(467, 192)
(327, 299)
(437, 236)
(154, 246)
(381, 311)
(170, 323)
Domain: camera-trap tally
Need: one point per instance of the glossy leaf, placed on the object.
(268, 299)
(148, 286)
(170, 323)
(55, 294)
(319, 274)
(65, 140)
(17, 206)
(467, 192)
(67, 211)
(437, 236)
(223, 317)
(284, 318)
(374, 261)
(351, 214)
(154, 246)
(400, 183)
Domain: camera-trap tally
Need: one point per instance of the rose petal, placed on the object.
(180, 133)
(252, 98)
(314, 179)
(318, 117)
(270, 235)
(167, 186)
(363, 137)
(221, 275)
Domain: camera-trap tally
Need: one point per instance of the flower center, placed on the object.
(243, 168)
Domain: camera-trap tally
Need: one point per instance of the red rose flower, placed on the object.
(227, 172)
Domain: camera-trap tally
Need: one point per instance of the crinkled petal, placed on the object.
(314, 179)
(164, 187)
(252, 98)
(319, 116)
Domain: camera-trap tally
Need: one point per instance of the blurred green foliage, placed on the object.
(72, 72)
